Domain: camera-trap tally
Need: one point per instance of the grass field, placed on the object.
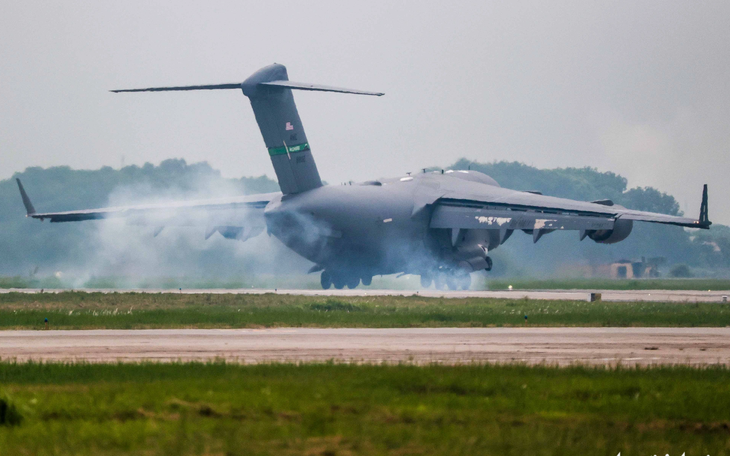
(329, 409)
(79, 310)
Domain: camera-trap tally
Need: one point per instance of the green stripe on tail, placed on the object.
(292, 149)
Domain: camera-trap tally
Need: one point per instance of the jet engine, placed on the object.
(471, 252)
(621, 230)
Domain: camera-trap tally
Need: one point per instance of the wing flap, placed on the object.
(471, 218)
(475, 196)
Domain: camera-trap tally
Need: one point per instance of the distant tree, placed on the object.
(26, 244)
(680, 271)
(650, 199)
(576, 183)
(713, 246)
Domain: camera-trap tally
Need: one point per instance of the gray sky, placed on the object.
(638, 88)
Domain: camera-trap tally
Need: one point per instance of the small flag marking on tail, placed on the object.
(289, 126)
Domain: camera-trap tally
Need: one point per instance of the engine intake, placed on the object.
(621, 230)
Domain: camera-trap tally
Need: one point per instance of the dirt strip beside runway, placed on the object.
(563, 346)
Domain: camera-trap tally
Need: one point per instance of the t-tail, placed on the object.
(270, 93)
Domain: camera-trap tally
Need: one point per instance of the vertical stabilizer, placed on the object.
(270, 92)
(278, 119)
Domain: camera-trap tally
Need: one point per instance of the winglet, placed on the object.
(26, 201)
(704, 217)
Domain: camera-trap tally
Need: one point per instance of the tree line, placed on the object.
(27, 246)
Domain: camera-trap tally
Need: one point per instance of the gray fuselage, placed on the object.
(378, 227)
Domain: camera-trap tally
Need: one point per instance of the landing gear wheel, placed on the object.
(338, 281)
(325, 279)
(489, 264)
(426, 280)
(452, 282)
(353, 282)
(367, 280)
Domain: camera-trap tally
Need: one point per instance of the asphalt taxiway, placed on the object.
(559, 346)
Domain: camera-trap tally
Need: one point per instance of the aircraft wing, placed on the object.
(238, 217)
(509, 210)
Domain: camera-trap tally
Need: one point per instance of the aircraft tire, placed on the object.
(325, 279)
(489, 264)
(353, 282)
(367, 280)
(452, 282)
(338, 281)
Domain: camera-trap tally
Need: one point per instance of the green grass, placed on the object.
(80, 310)
(329, 409)
(610, 284)
(21, 282)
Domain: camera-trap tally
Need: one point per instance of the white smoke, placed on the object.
(124, 251)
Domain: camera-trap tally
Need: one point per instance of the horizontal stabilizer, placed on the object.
(317, 87)
(183, 88)
(287, 84)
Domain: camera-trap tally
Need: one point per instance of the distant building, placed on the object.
(630, 269)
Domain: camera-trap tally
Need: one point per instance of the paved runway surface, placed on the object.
(603, 346)
(576, 295)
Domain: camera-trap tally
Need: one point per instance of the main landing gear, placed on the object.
(340, 280)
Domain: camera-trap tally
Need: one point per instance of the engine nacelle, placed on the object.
(621, 230)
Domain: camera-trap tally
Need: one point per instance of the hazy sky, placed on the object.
(638, 88)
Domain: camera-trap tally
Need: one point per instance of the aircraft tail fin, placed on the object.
(270, 92)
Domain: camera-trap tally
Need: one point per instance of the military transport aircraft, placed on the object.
(439, 225)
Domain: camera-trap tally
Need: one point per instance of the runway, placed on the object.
(570, 295)
(559, 346)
